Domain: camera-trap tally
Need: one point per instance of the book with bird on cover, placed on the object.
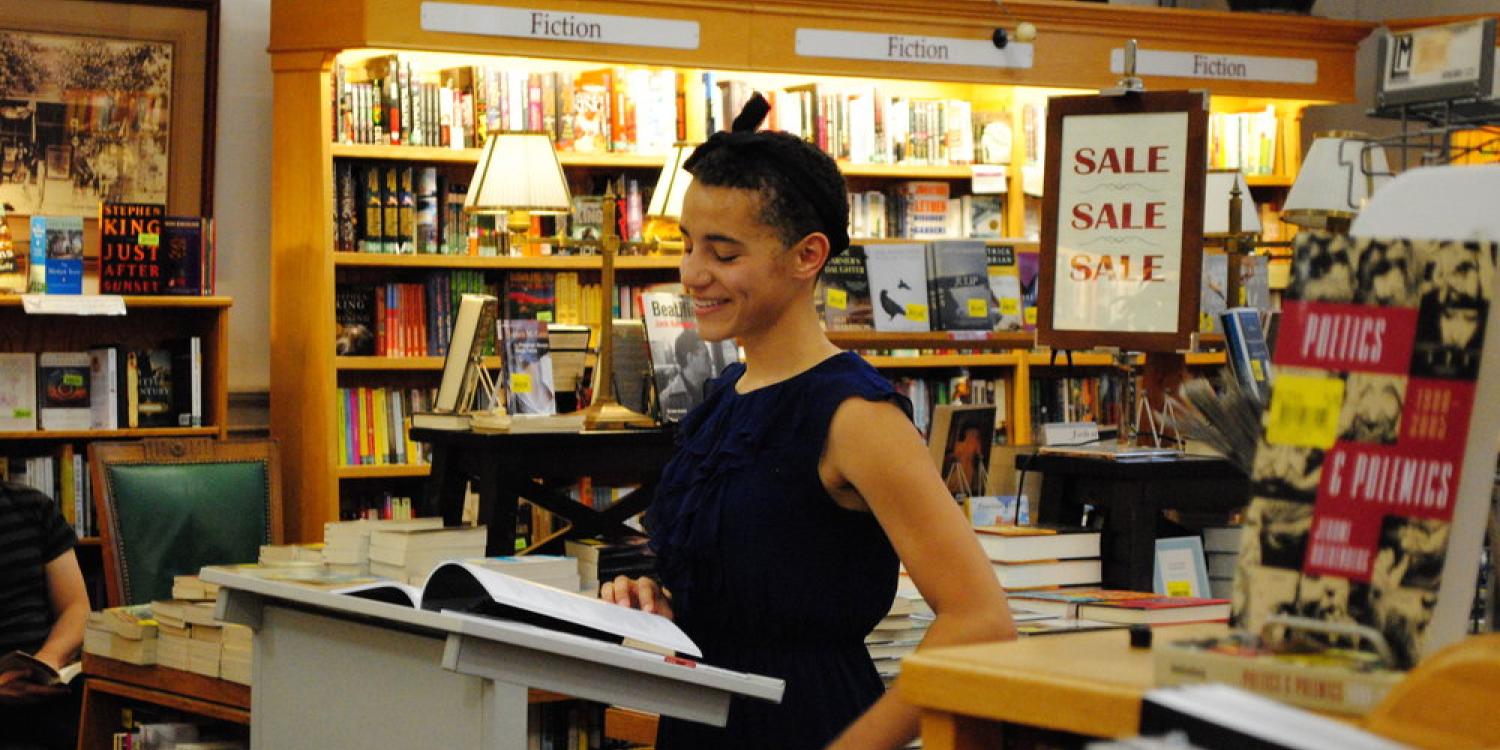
(898, 287)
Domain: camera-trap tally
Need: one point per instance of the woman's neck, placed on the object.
(793, 345)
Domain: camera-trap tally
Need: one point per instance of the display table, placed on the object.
(110, 685)
(327, 668)
(1084, 683)
(1131, 495)
(506, 467)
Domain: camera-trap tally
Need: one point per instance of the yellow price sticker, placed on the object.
(1304, 411)
(1179, 588)
(545, 316)
(1010, 307)
(148, 239)
(1030, 316)
(916, 312)
(979, 308)
(1257, 370)
(520, 382)
(838, 299)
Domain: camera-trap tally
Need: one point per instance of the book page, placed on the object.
(449, 580)
(390, 592)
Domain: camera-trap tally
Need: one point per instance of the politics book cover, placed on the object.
(682, 363)
(130, 252)
(898, 287)
(528, 367)
(1373, 476)
(958, 285)
(846, 292)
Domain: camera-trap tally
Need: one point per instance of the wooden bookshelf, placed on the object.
(391, 364)
(384, 471)
(125, 434)
(758, 39)
(938, 361)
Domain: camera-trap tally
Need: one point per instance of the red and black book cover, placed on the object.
(131, 257)
(1373, 473)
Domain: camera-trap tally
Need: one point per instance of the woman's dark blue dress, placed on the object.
(768, 574)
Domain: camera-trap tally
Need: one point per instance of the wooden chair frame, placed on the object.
(158, 451)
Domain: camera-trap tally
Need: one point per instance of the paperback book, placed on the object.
(898, 287)
(64, 381)
(17, 392)
(354, 320)
(527, 367)
(1372, 479)
(63, 236)
(958, 286)
(1005, 286)
(682, 363)
(846, 292)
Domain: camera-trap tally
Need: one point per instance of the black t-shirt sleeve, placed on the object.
(57, 536)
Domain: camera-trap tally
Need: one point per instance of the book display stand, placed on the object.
(459, 681)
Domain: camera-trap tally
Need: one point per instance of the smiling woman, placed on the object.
(800, 483)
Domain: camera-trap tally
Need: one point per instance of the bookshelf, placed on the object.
(755, 42)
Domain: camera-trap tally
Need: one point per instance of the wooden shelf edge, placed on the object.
(388, 364)
(944, 360)
(930, 340)
(14, 300)
(384, 471)
(630, 725)
(142, 432)
(503, 262)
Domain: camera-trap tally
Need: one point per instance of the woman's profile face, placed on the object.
(733, 264)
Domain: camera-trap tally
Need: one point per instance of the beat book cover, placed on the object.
(1373, 475)
(682, 363)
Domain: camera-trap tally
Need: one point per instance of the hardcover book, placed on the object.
(1375, 465)
(528, 367)
(63, 378)
(185, 242)
(898, 287)
(104, 395)
(154, 405)
(130, 251)
(846, 292)
(958, 285)
(959, 443)
(64, 237)
(1214, 292)
(17, 392)
(1005, 286)
(1030, 269)
(681, 362)
(354, 319)
(187, 376)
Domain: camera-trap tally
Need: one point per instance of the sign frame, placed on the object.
(1194, 104)
(1389, 93)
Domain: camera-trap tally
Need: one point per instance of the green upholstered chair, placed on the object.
(167, 507)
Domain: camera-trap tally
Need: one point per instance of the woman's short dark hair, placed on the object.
(801, 189)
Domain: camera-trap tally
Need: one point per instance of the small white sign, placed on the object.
(910, 48)
(1436, 56)
(1153, 62)
(73, 304)
(987, 179)
(562, 26)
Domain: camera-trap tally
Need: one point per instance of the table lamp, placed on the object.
(1341, 171)
(518, 175)
(605, 412)
(1229, 213)
(666, 200)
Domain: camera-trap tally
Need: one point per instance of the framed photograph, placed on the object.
(1122, 221)
(107, 100)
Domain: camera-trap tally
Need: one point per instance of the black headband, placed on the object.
(743, 138)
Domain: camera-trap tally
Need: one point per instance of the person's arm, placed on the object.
(70, 610)
(875, 448)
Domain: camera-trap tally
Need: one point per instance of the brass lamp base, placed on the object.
(613, 415)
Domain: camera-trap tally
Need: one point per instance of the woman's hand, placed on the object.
(16, 687)
(644, 594)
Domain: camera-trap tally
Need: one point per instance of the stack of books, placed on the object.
(175, 619)
(125, 634)
(1034, 557)
(600, 561)
(346, 544)
(408, 555)
(556, 571)
(235, 653)
(898, 634)
(194, 589)
(1222, 545)
(1122, 607)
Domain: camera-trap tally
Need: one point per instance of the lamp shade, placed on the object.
(518, 172)
(1218, 185)
(671, 185)
(1341, 171)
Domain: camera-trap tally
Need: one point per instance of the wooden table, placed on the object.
(110, 685)
(1085, 683)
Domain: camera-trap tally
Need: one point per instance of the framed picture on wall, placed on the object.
(1122, 221)
(107, 100)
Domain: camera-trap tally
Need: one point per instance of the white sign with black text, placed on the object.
(1155, 62)
(537, 23)
(910, 48)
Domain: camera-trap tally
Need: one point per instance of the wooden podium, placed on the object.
(334, 671)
